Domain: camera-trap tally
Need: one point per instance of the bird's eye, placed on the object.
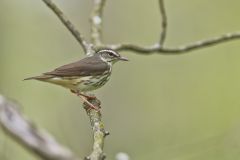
(111, 54)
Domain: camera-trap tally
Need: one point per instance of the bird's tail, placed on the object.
(40, 78)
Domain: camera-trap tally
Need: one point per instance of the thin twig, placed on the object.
(28, 135)
(175, 50)
(99, 132)
(67, 23)
(164, 22)
(96, 21)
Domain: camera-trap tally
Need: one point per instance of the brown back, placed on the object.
(85, 67)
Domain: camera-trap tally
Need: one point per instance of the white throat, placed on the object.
(110, 64)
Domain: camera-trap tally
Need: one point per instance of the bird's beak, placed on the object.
(123, 59)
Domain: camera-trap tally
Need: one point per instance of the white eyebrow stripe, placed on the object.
(111, 51)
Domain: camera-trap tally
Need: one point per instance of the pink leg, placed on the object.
(85, 99)
(88, 103)
(81, 94)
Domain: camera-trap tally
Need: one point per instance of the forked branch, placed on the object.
(158, 49)
(96, 34)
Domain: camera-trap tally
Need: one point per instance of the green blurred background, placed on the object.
(183, 107)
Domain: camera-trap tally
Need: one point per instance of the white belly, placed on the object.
(90, 83)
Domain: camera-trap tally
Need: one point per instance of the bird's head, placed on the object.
(110, 56)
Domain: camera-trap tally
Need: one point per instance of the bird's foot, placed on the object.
(86, 99)
(89, 105)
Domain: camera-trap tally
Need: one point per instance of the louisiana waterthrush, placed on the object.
(85, 75)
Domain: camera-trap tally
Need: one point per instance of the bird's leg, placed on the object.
(84, 95)
(89, 97)
(89, 103)
(86, 99)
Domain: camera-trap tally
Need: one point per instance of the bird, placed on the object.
(87, 74)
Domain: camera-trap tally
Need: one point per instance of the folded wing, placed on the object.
(85, 67)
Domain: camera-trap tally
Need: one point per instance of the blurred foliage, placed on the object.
(182, 107)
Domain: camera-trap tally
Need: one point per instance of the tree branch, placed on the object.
(96, 22)
(96, 34)
(157, 48)
(67, 23)
(99, 132)
(28, 135)
(164, 22)
(97, 125)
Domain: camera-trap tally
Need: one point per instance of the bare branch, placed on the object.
(99, 132)
(159, 48)
(175, 50)
(96, 34)
(164, 22)
(204, 43)
(96, 21)
(67, 23)
(96, 39)
(32, 138)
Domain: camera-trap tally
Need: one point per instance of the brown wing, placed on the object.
(85, 67)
